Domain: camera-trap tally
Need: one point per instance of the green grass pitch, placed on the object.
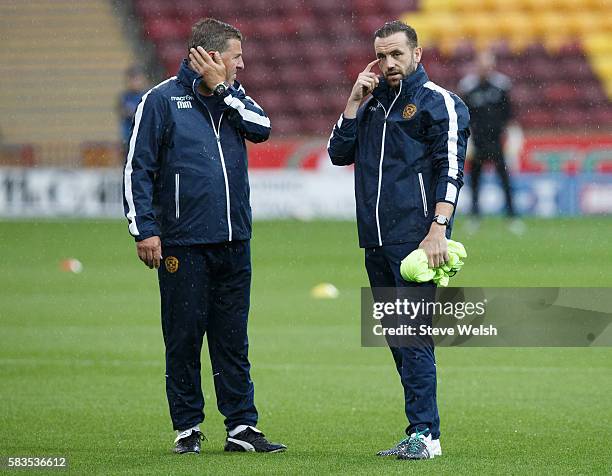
(82, 368)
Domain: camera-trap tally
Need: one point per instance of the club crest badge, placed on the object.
(409, 111)
(172, 264)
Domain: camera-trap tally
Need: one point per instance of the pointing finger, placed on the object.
(369, 67)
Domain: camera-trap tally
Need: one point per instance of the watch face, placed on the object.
(220, 89)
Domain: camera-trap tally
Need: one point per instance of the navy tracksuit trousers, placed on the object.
(205, 289)
(416, 365)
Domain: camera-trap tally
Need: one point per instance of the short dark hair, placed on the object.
(396, 26)
(212, 35)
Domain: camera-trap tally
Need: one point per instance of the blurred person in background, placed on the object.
(486, 92)
(186, 198)
(136, 86)
(407, 141)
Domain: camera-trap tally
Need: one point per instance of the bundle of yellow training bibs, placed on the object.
(415, 266)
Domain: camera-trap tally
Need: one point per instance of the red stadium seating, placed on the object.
(301, 59)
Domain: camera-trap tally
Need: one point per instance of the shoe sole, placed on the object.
(234, 447)
(433, 454)
(280, 450)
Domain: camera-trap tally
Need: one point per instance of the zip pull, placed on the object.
(423, 195)
(177, 195)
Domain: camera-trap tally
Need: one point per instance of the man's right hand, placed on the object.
(149, 251)
(365, 84)
(209, 65)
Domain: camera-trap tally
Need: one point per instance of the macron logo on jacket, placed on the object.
(183, 102)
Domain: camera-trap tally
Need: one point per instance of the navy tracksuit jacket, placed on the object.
(186, 181)
(408, 147)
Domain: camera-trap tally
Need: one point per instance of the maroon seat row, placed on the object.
(302, 57)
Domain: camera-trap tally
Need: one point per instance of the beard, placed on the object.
(410, 68)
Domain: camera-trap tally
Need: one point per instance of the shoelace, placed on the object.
(195, 434)
(414, 441)
(404, 442)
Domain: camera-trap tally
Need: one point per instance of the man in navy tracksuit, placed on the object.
(408, 143)
(186, 194)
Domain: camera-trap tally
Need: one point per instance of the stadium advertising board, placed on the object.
(294, 179)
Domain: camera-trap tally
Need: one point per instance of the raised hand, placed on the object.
(365, 84)
(209, 66)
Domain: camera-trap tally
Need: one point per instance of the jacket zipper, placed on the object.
(380, 164)
(227, 194)
(176, 195)
(423, 194)
(217, 131)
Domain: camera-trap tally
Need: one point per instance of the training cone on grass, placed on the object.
(71, 265)
(324, 291)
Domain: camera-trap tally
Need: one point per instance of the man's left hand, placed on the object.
(435, 245)
(209, 66)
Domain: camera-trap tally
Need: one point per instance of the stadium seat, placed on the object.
(524, 95)
(166, 29)
(156, 9)
(561, 92)
(287, 49)
(536, 118)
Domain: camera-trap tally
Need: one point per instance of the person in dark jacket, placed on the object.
(487, 95)
(407, 142)
(186, 198)
(128, 101)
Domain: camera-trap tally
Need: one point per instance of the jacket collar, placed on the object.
(191, 80)
(188, 77)
(409, 84)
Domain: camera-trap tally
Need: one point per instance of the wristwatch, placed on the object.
(441, 220)
(220, 89)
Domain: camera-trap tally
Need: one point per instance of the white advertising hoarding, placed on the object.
(49, 192)
(325, 193)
